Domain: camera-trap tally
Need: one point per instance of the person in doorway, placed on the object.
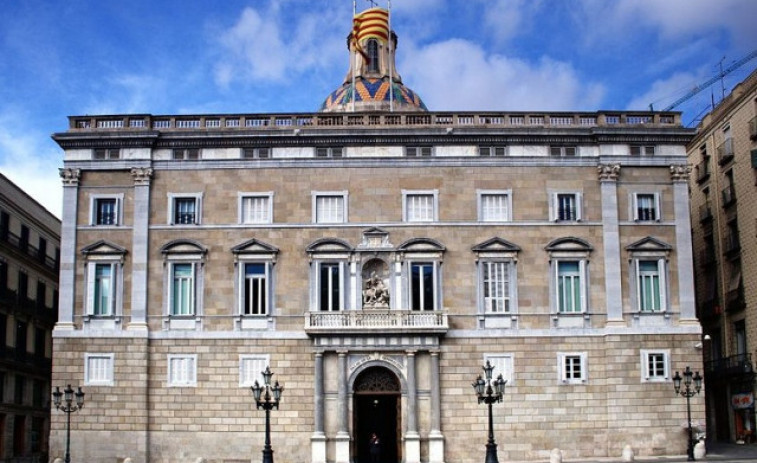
(374, 448)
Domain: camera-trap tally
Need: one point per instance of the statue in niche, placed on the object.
(375, 294)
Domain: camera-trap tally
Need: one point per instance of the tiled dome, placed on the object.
(373, 94)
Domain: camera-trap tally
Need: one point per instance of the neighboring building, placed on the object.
(29, 252)
(724, 207)
(375, 255)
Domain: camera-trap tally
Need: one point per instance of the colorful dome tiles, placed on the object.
(372, 91)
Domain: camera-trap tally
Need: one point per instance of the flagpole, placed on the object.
(354, 53)
(391, 59)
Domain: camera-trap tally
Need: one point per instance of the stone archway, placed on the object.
(376, 409)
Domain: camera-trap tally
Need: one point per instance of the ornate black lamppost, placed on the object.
(267, 397)
(490, 391)
(688, 392)
(67, 406)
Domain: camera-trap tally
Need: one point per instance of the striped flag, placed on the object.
(372, 23)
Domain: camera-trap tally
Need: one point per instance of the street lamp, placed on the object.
(688, 392)
(267, 397)
(489, 391)
(67, 406)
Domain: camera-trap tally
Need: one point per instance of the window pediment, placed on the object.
(421, 245)
(255, 248)
(183, 247)
(329, 245)
(649, 243)
(375, 238)
(496, 247)
(569, 244)
(103, 248)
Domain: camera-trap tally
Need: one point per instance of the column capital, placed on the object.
(142, 175)
(608, 172)
(680, 172)
(70, 176)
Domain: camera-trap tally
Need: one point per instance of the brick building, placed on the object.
(29, 249)
(724, 206)
(375, 254)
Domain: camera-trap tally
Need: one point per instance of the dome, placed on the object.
(373, 94)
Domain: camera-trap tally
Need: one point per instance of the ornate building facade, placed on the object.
(375, 255)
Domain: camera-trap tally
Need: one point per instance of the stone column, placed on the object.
(67, 282)
(140, 247)
(343, 434)
(435, 437)
(679, 174)
(318, 439)
(608, 179)
(412, 438)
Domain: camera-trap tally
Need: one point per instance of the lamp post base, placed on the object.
(491, 453)
(267, 455)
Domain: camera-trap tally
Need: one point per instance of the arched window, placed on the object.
(373, 55)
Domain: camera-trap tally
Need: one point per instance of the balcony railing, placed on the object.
(725, 151)
(376, 320)
(24, 246)
(705, 213)
(753, 128)
(731, 244)
(729, 195)
(703, 171)
(730, 366)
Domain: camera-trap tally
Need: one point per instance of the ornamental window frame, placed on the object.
(557, 210)
(569, 250)
(506, 198)
(422, 253)
(409, 214)
(105, 255)
(329, 253)
(174, 204)
(183, 252)
(649, 249)
(317, 202)
(254, 252)
(263, 217)
(503, 253)
(637, 213)
(96, 200)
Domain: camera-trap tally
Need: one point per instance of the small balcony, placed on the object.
(753, 128)
(703, 171)
(376, 321)
(735, 365)
(729, 195)
(705, 213)
(731, 245)
(725, 151)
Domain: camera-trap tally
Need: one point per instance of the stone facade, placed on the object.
(723, 205)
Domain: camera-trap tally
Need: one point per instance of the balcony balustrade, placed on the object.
(725, 151)
(753, 128)
(734, 365)
(729, 195)
(705, 213)
(703, 171)
(384, 321)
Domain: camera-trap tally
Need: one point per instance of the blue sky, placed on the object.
(73, 57)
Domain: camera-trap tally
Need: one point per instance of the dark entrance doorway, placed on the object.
(376, 410)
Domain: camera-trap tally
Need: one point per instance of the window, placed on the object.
(18, 391)
(255, 208)
(331, 283)
(372, 49)
(183, 282)
(646, 207)
(102, 293)
(254, 261)
(420, 206)
(497, 286)
(186, 154)
(492, 151)
(254, 292)
(494, 206)
(497, 289)
(422, 286)
(562, 151)
(184, 209)
(418, 151)
(655, 365)
(98, 369)
(256, 153)
(650, 285)
(106, 153)
(503, 365)
(566, 207)
(182, 370)
(182, 289)
(572, 367)
(106, 210)
(642, 150)
(329, 152)
(330, 207)
(569, 283)
(251, 368)
(569, 287)
(328, 274)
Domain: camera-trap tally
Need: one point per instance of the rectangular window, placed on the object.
(422, 294)
(185, 211)
(255, 208)
(562, 151)
(106, 153)
(655, 365)
(182, 289)
(642, 150)
(503, 365)
(573, 369)
(256, 153)
(418, 151)
(254, 293)
(182, 370)
(496, 279)
(187, 154)
(330, 208)
(649, 286)
(251, 368)
(329, 152)
(18, 391)
(103, 289)
(330, 295)
(492, 151)
(105, 211)
(98, 369)
(420, 207)
(646, 207)
(569, 287)
(567, 207)
(494, 206)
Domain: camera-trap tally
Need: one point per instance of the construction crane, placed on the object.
(704, 85)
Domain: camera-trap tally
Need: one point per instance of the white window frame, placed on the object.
(193, 290)
(267, 286)
(583, 363)
(116, 283)
(419, 151)
(341, 281)
(565, 151)
(257, 152)
(646, 376)
(493, 150)
(94, 200)
(662, 277)
(503, 364)
(656, 204)
(510, 292)
(435, 279)
(408, 194)
(248, 363)
(344, 195)
(554, 205)
(329, 152)
(243, 196)
(191, 374)
(481, 206)
(583, 287)
(107, 369)
(174, 197)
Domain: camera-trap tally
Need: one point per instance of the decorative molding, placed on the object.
(142, 175)
(680, 172)
(70, 176)
(608, 172)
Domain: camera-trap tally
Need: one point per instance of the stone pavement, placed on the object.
(722, 452)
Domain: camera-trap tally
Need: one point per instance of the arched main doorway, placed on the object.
(376, 409)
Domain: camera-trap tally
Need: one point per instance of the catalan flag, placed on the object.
(372, 23)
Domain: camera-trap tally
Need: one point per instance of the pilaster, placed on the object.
(342, 435)
(412, 438)
(140, 247)
(67, 279)
(679, 175)
(435, 437)
(318, 439)
(608, 179)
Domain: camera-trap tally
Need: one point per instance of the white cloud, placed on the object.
(459, 75)
(504, 19)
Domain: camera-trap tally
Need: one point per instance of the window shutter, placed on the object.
(91, 288)
(657, 210)
(579, 206)
(637, 279)
(663, 285)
